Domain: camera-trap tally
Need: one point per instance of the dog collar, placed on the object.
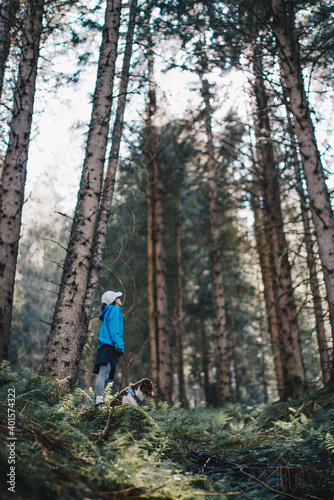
(132, 392)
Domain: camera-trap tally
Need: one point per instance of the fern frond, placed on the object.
(330, 442)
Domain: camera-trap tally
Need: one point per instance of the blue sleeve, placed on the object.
(115, 327)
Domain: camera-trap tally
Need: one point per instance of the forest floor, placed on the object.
(55, 447)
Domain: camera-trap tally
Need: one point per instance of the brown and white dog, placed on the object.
(136, 393)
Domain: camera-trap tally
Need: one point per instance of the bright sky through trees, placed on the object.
(58, 143)
(57, 146)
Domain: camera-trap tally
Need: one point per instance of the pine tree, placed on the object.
(70, 322)
(289, 56)
(8, 11)
(223, 385)
(311, 259)
(179, 312)
(293, 367)
(273, 316)
(109, 181)
(15, 165)
(160, 286)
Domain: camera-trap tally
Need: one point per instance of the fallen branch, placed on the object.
(218, 494)
(145, 495)
(269, 487)
(106, 427)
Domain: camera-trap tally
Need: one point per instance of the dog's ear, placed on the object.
(147, 387)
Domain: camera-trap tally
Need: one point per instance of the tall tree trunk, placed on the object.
(273, 317)
(15, 166)
(109, 183)
(288, 50)
(164, 386)
(152, 327)
(70, 322)
(234, 358)
(150, 149)
(179, 309)
(314, 284)
(294, 373)
(206, 361)
(311, 263)
(223, 383)
(264, 371)
(8, 10)
(164, 355)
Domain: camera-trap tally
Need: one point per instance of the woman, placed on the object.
(111, 344)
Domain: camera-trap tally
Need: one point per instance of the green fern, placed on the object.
(330, 443)
(146, 452)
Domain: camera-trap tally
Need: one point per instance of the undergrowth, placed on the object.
(64, 448)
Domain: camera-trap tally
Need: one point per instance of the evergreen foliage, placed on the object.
(65, 448)
(38, 274)
(184, 176)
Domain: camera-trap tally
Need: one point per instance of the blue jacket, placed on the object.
(111, 330)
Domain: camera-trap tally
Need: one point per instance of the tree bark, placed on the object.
(15, 166)
(70, 322)
(8, 10)
(314, 282)
(234, 358)
(152, 327)
(206, 361)
(164, 385)
(273, 317)
(223, 383)
(288, 51)
(109, 183)
(164, 356)
(150, 158)
(311, 264)
(263, 371)
(179, 310)
(294, 372)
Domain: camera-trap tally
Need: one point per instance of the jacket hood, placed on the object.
(106, 309)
